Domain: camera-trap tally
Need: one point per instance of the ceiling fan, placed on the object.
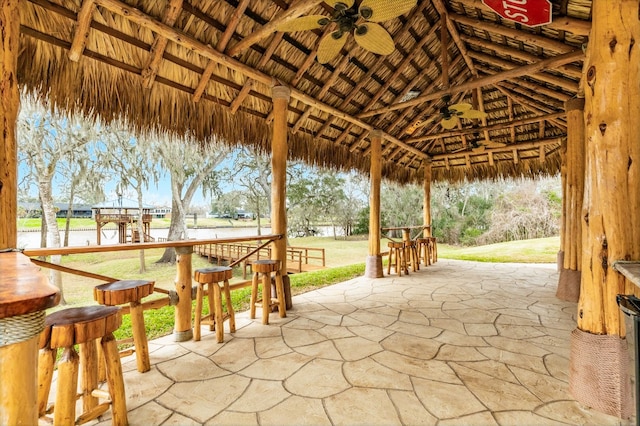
(450, 115)
(361, 21)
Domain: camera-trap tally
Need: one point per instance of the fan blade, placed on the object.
(332, 3)
(303, 23)
(473, 114)
(330, 46)
(449, 123)
(460, 107)
(382, 10)
(375, 39)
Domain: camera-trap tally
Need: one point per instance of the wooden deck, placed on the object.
(299, 259)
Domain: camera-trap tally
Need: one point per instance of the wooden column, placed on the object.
(611, 210)
(279, 151)
(182, 330)
(573, 163)
(426, 190)
(374, 259)
(9, 105)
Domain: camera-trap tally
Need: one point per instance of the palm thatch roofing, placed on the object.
(206, 68)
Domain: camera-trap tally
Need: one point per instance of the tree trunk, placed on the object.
(141, 234)
(611, 210)
(67, 224)
(53, 233)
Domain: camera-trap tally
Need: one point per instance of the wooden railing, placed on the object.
(180, 297)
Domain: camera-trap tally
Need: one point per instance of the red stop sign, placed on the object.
(531, 13)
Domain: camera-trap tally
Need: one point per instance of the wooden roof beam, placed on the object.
(552, 62)
(248, 85)
(221, 47)
(508, 148)
(532, 94)
(497, 126)
(141, 18)
(295, 10)
(569, 85)
(517, 35)
(81, 34)
(453, 31)
(171, 12)
(569, 70)
(559, 23)
(527, 104)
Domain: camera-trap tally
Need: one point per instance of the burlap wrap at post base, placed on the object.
(599, 373)
(373, 268)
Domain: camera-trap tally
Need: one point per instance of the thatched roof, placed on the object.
(145, 59)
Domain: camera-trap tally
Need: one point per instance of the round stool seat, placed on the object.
(214, 274)
(265, 266)
(395, 245)
(121, 292)
(79, 325)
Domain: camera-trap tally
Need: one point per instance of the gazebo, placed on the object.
(422, 91)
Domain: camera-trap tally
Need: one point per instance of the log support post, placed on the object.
(599, 359)
(182, 330)
(279, 151)
(9, 105)
(573, 164)
(426, 192)
(374, 259)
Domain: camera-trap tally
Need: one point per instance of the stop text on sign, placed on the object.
(531, 13)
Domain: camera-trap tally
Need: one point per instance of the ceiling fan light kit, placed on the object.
(361, 21)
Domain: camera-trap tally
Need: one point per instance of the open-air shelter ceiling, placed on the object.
(206, 68)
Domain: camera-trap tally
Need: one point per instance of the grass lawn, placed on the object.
(344, 260)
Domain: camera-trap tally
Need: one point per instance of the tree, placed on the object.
(251, 172)
(134, 163)
(191, 166)
(45, 139)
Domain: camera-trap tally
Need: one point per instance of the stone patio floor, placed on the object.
(456, 343)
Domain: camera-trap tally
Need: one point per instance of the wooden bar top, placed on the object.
(23, 288)
(630, 269)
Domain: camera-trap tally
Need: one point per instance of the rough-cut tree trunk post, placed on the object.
(280, 95)
(9, 105)
(182, 330)
(599, 374)
(426, 193)
(570, 260)
(18, 401)
(374, 259)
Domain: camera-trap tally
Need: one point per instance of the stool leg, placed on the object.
(67, 388)
(254, 295)
(198, 317)
(398, 261)
(115, 381)
(217, 310)
(212, 310)
(282, 308)
(46, 361)
(89, 374)
(414, 259)
(232, 315)
(140, 337)
(266, 297)
(102, 372)
(390, 261)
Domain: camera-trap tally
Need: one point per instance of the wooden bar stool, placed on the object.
(86, 326)
(424, 252)
(213, 277)
(433, 246)
(396, 258)
(266, 268)
(412, 257)
(131, 292)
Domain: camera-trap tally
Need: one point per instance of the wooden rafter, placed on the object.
(509, 148)
(208, 52)
(550, 63)
(295, 10)
(453, 31)
(171, 12)
(234, 20)
(81, 34)
(526, 104)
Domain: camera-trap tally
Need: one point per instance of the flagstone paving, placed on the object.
(456, 343)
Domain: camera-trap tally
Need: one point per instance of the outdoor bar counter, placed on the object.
(25, 293)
